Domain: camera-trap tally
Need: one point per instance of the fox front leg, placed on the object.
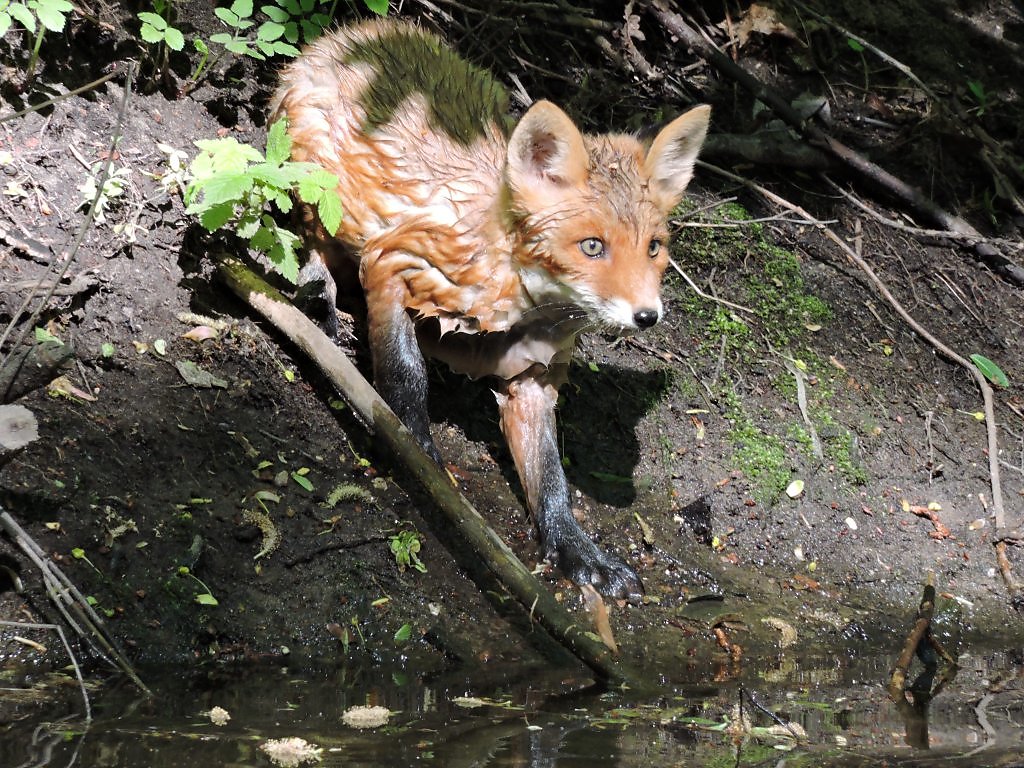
(399, 371)
(527, 408)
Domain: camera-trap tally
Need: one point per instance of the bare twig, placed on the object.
(689, 281)
(68, 600)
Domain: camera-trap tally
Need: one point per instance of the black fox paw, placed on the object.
(584, 563)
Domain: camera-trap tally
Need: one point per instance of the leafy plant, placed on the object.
(203, 598)
(232, 183)
(156, 27)
(405, 546)
(302, 18)
(267, 42)
(36, 16)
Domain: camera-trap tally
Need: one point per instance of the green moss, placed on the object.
(761, 456)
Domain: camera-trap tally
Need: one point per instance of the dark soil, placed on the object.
(680, 443)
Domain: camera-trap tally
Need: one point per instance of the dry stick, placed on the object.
(918, 633)
(86, 622)
(383, 423)
(71, 655)
(882, 288)
(985, 252)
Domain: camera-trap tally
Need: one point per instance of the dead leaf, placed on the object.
(200, 333)
(62, 386)
(762, 20)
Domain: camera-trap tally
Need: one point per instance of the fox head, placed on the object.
(589, 213)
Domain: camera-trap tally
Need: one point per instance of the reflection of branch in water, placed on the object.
(920, 643)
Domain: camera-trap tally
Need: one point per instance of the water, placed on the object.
(724, 715)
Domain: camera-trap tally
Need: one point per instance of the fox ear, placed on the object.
(546, 148)
(670, 159)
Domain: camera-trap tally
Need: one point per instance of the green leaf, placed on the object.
(272, 175)
(282, 48)
(224, 155)
(200, 46)
(206, 599)
(279, 143)
(52, 15)
(175, 40)
(330, 211)
(275, 13)
(404, 633)
(44, 335)
(153, 20)
(991, 371)
(269, 31)
(291, 32)
(380, 7)
(228, 17)
(224, 187)
(313, 184)
(216, 216)
(243, 8)
(854, 45)
(151, 35)
(78, 553)
(302, 480)
(24, 16)
(264, 239)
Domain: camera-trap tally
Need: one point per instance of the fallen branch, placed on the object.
(31, 366)
(986, 253)
(72, 605)
(999, 512)
(382, 422)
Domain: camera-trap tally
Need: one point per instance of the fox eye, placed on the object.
(654, 248)
(592, 247)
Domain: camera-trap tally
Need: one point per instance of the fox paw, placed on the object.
(584, 563)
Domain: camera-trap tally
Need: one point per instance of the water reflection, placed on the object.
(829, 711)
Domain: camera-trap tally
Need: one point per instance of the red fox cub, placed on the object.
(491, 251)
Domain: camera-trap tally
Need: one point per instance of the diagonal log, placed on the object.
(458, 512)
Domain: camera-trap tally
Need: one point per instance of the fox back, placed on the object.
(491, 249)
(480, 228)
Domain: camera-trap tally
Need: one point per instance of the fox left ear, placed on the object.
(670, 159)
(546, 149)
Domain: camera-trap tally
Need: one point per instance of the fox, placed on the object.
(486, 245)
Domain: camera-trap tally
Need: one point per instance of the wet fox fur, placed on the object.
(491, 251)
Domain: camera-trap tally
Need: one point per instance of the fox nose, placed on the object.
(645, 318)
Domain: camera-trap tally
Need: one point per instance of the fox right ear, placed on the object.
(546, 148)
(670, 159)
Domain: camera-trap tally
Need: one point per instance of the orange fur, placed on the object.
(502, 249)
